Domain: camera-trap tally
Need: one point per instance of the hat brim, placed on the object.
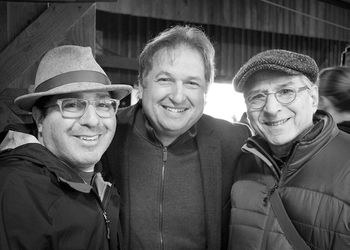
(271, 67)
(118, 91)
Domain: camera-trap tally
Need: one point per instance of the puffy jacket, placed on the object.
(44, 204)
(314, 185)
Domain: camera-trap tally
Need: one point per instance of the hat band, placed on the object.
(72, 77)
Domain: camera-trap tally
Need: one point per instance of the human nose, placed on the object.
(90, 117)
(271, 103)
(177, 93)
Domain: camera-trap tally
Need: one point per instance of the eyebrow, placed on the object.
(164, 73)
(286, 84)
(197, 78)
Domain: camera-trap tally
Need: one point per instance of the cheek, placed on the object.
(53, 135)
(253, 118)
(197, 97)
(111, 127)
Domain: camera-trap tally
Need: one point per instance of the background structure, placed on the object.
(118, 30)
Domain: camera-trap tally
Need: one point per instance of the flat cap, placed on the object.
(276, 60)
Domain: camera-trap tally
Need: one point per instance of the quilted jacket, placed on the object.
(314, 185)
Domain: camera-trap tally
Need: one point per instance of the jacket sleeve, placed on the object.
(25, 223)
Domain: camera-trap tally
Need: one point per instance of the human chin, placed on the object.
(180, 125)
(85, 157)
(90, 149)
(272, 135)
(278, 140)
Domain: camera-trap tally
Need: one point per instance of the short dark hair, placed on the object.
(334, 83)
(170, 38)
(41, 104)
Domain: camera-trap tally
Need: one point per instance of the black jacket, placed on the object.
(44, 204)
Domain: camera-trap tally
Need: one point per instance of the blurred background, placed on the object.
(118, 30)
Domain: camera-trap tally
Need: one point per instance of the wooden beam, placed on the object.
(41, 35)
(117, 62)
(61, 1)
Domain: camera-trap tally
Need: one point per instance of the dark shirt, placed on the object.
(166, 193)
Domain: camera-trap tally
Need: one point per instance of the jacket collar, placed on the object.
(323, 131)
(41, 156)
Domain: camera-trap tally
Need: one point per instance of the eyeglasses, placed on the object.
(284, 96)
(76, 108)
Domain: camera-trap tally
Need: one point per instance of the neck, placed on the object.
(281, 151)
(166, 140)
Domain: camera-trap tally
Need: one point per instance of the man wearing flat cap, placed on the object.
(292, 184)
(52, 194)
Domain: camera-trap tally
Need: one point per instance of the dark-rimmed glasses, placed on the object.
(284, 96)
(76, 108)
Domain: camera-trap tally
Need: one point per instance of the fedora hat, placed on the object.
(69, 69)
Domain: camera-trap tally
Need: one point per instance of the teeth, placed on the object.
(88, 138)
(175, 110)
(276, 123)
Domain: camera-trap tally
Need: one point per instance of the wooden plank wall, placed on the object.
(28, 31)
(291, 17)
(125, 35)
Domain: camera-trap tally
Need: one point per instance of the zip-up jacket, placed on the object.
(314, 186)
(44, 204)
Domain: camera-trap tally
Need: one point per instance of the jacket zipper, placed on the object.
(100, 205)
(161, 205)
(274, 168)
(107, 221)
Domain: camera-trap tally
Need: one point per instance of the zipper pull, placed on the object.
(107, 221)
(165, 155)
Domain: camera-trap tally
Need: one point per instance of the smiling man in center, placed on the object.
(174, 165)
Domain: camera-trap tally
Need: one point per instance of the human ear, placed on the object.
(139, 91)
(315, 97)
(38, 118)
(324, 103)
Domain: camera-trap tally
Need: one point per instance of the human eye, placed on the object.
(286, 92)
(193, 84)
(72, 105)
(164, 80)
(256, 97)
(104, 104)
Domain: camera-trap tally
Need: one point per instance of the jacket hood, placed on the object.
(41, 157)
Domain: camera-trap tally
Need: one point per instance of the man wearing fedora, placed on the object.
(292, 185)
(52, 193)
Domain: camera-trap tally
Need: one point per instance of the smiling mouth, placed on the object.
(175, 110)
(276, 123)
(88, 138)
